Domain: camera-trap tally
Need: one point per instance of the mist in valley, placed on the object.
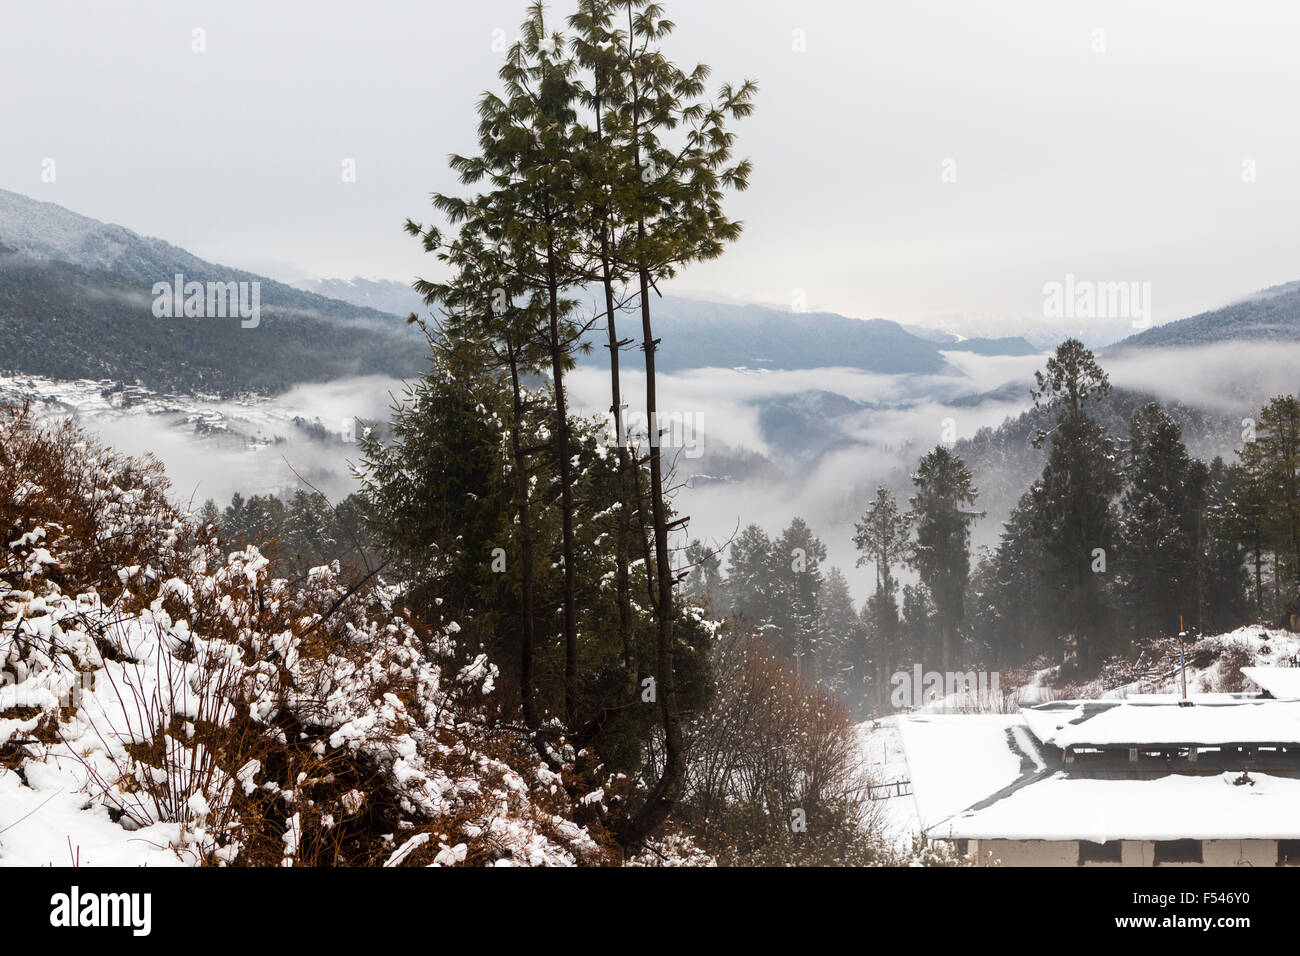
(763, 446)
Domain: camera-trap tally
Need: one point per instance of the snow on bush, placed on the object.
(180, 698)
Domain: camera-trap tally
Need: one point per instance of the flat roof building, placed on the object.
(1214, 780)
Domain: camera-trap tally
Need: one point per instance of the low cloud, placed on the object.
(257, 445)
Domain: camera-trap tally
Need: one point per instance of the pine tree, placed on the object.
(233, 517)
(796, 591)
(1160, 523)
(941, 554)
(530, 138)
(703, 580)
(844, 667)
(1272, 461)
(208, 516)
(489, 302)
(597, 49)
(603, 165)
(749, 575)
(917, 624)
(434, 488)
(670, 192)
(1250, 518)
(881, 537)
(1013, 608)
(1073, 517)
(1227, 537)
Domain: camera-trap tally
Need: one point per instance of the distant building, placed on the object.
(1146, 781)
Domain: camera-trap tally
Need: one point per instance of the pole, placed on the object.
(1182, 653)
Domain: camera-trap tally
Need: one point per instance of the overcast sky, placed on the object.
(1115, 155)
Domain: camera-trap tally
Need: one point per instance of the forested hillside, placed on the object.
(699, 334)
(76, 322)
(1272, 314)
(1120, 535)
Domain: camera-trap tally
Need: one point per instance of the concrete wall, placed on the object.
(1132, 853)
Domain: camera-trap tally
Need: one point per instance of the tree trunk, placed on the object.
(566, 501)
(664, 795)
(623, 534)
(1259, 577)
(526, 614)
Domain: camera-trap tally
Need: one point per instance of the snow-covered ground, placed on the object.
(50, 821)
(882, 745)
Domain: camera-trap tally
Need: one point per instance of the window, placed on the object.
(1288, 852)
(1178, 851)
(1108, 852)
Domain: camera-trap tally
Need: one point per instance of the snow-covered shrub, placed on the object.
(1233, 656)
(239, 717)
(673, 849)
(927, 852)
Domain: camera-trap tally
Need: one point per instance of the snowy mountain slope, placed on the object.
(77, 295)
(385, 295)
(66, 321)
(47, 232)
(1271, 314)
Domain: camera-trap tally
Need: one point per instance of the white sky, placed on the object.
(1116, 165)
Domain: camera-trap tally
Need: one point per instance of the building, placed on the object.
(1146, 781)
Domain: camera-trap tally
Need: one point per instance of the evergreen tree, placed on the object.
(844, 660)
(1272, 461)
(1073, 517)
(208, 515)
(529, 136)
(1227, 537)
(918, 627)
(597, 48)
(1160, 523)
(233, 516)
(434, 489)
(1250, 520)
(1012, 610)
(675, 169)
(881, 537)
(941, 554)
(796, 591)
(703, 580)
(487, 301)
(602, 163)
(749, 575)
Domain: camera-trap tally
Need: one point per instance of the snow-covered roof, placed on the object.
(1174, 806)
(1159, 723)
(955, 760)
(1004, 776)
(1282, 682)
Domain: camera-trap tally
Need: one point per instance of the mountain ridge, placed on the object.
(1271, 314)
